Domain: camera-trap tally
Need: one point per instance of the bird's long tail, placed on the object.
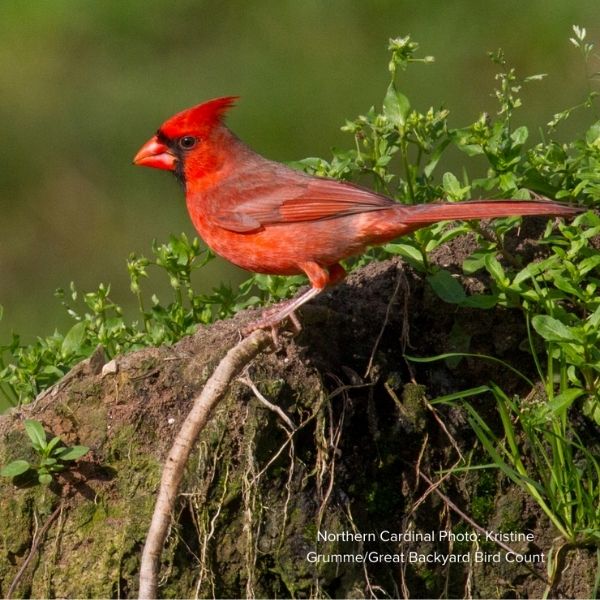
(379, 228)
(423, 214)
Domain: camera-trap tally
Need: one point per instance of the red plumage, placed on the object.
(268, 218)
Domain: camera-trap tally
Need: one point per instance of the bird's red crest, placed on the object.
(201, 117)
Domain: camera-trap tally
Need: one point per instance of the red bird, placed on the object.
(268, 218)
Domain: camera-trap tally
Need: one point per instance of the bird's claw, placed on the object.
(272, 320)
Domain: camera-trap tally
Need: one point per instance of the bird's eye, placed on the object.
(187, 142)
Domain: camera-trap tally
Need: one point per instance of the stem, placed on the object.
(142, 309)
(404, 150)
(496, 239)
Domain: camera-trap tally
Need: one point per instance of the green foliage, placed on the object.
(558, 296)
(400, 149)
(31, 368)
(52, 455)
(541, 452)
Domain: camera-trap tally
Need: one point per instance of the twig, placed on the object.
(214, 390)
(290, 440)
(276, 409)
(388, 310)
(37, 538)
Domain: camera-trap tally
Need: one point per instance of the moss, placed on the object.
(510, 512)
(271, 388)
(484, 497)
(16, 507)
(107, 532)
(94, 549)
(414, 408)
(97, 540)
(17, 445)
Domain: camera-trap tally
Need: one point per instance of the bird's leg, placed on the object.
(319, 278)
(272, 318)
(336, 274)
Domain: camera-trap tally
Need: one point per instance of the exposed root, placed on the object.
(400, 281)
(247, 381)
(375, 591)
(252, 512)
(206, 527)
(327, 454)
(38, 536)
(214, 390)
(290, 429)
(434, 487)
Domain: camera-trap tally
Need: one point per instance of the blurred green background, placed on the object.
(84, 83)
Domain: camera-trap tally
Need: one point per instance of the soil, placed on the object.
(256, 502)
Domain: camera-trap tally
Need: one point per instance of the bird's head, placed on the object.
(190, 142)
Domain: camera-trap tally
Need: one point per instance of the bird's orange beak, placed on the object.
(155, 154)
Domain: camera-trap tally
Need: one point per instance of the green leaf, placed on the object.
(519, 136)
(553, 330)
(395, 106)
(532, 270)
(444, 234)
(592, 135)
(435, 157)
(74, 339)
(471, 149)
(45, 478)
(452, 398)
(36, 434)
(591, 409)
(52, 370)
(14, 468)
(447, 287)
(72, 453)
(587, 264)
(52, 443)
(495, 269)
(453, 188)
(428, 359)
(476, 261)
(484, 301)
(451, 184)
(560, 403)
(593, 321)
(412, 255)
(566, 285)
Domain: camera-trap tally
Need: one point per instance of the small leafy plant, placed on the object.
(52, 455)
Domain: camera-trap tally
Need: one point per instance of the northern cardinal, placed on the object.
(268, 218)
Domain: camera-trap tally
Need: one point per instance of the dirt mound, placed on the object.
(333, 507)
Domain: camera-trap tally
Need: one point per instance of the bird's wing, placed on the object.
(294, 199)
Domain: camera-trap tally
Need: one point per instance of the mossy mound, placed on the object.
(263, 507)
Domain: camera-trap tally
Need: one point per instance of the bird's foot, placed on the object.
(272, 318)
(276, 319)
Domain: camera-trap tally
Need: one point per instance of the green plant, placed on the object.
(401, 150)
(52, 455)
(541, 452)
